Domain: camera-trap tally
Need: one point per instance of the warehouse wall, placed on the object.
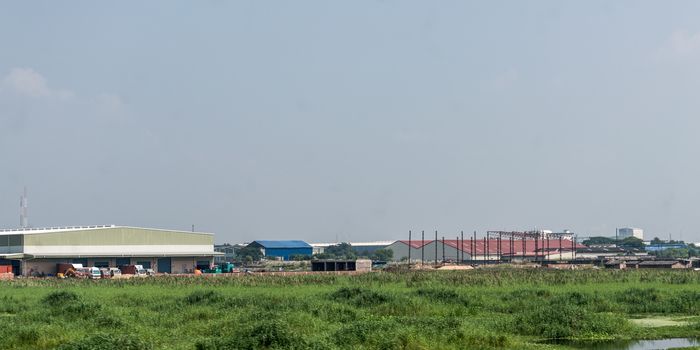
(10, 244)
(285, 253)
(48, 266)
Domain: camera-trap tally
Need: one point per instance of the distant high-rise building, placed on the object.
(625, 232)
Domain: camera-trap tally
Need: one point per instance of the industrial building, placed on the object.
(228, 252)
(625, 232)
(481, 249)
(282, 249)
(37, 251)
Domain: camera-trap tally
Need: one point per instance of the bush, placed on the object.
(60, 297)
(442, 295)
(265, 334)
(561, 320)
(359, 296)
(203, 297)
(640, 300)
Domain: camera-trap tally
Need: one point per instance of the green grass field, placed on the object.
(487, 308)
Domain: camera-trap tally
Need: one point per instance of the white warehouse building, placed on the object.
(37, 251)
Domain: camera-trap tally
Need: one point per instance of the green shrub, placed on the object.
(641, 300)
(203, 297)
(562, 320)
(360, 297)
(60, 297)
(265, 334)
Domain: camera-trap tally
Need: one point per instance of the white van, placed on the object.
(90, 272)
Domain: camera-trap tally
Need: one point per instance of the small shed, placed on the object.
(362, 265)
(616, 264)
(282, 249)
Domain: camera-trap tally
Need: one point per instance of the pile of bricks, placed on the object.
(7, 276)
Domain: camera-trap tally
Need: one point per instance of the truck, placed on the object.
(70, 270)
(226, 267)
(137, 270)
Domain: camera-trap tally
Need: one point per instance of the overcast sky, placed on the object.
(352, 120)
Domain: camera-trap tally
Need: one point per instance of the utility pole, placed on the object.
(474, 249)
(436, 250)
(461, 248)
(422, 247)
(409, 247)
(443, 249)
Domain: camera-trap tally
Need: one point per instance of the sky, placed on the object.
(352, 120)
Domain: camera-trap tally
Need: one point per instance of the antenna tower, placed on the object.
(23, 210)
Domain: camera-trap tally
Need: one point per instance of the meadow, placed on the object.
(478, 309)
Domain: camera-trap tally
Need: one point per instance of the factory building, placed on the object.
(415, 249)
(492, 249)
(282, 249)
(228, 252)
(33, 251)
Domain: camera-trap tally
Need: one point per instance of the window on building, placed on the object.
(123, 261)
(203, 264)
(145, 264)
(83, 262)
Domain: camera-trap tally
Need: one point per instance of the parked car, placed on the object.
(150, 272)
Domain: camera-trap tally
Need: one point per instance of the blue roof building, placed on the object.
(663, 246)
(282, 249)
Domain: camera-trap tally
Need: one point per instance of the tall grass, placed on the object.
(479, 309)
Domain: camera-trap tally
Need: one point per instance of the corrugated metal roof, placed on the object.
(659, 263)
(417, 243)
(25, 231)
(282, 244)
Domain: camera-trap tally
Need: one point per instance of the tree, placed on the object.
(598, 241)
(675, 253)
(656, 241)
(249, 254)
(383, 254)
(341, 251)
(631, 243)
(299, 257)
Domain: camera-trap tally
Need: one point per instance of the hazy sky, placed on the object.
(352, 119)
